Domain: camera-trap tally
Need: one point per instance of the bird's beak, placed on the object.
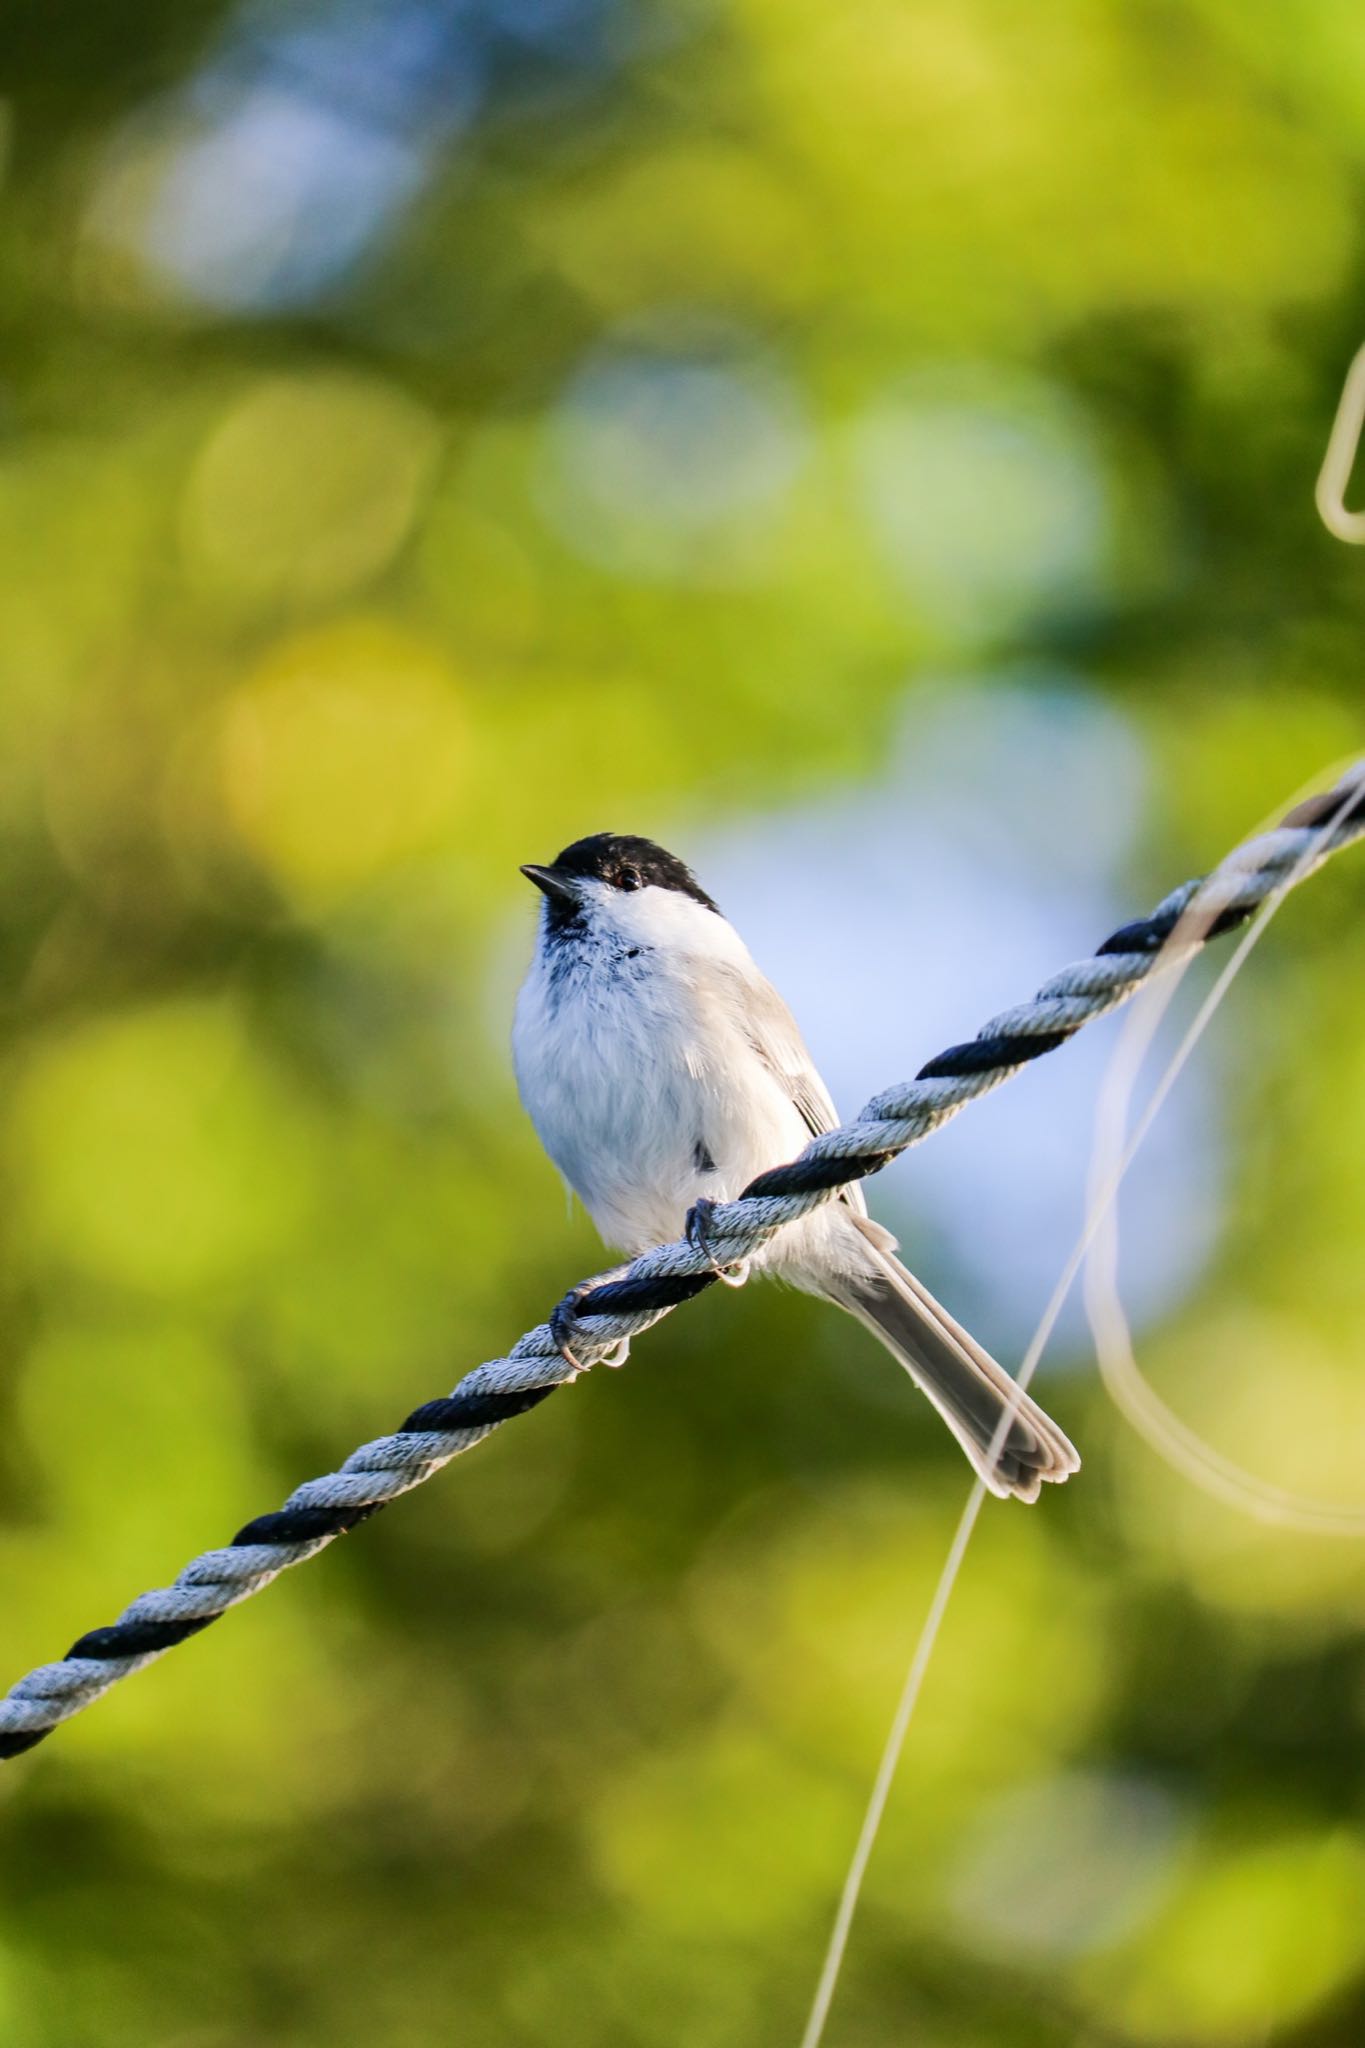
(559, 887)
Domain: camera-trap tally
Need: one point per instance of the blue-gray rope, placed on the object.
(602, 1318)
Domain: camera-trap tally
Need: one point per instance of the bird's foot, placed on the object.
(563, 1318)
(696, 1230)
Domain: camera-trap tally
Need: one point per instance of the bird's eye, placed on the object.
(628, 878)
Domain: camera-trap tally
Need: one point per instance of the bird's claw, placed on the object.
(564, 1316)
(697, 1229)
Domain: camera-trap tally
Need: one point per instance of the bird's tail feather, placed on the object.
(970, 1391)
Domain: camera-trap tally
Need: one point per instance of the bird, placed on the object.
(662, 1072)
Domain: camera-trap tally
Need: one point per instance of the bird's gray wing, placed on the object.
(775, 1036)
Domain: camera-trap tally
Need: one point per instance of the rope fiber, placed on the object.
(598, 1320)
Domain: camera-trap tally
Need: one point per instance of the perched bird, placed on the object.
(663, 1072)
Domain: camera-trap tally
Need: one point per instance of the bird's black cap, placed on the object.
(620, 859)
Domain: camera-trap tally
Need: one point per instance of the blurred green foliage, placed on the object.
(429, 432)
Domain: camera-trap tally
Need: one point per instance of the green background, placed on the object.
(427, 433)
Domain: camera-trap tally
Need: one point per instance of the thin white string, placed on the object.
(887, 1768)
(1107, 1174)
(1173, 1440)
(1329, 493)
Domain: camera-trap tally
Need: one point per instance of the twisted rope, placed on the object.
(599, 1319)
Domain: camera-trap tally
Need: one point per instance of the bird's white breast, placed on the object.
(634, 1066)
